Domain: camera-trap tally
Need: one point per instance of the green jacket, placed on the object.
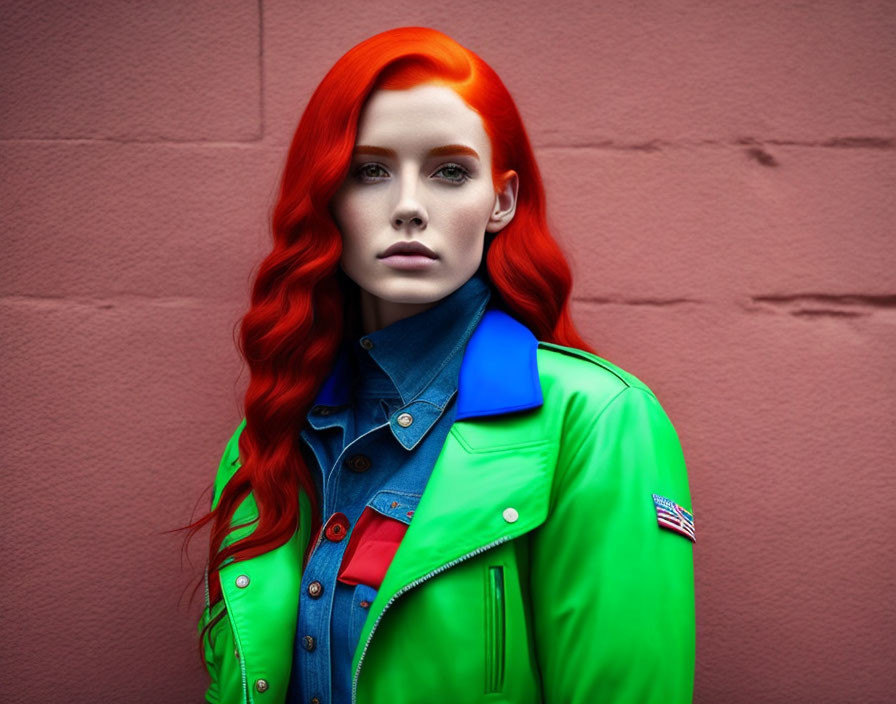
(534, 569)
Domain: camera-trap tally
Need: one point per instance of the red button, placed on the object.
(337, 527)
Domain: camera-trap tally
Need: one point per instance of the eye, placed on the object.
(454, 172)
(369, 172)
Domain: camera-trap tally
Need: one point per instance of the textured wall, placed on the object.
(721, 173)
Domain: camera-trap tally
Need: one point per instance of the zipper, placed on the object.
(494, 624)
(406, 588)
(243, 673)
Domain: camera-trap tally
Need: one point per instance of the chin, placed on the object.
(415, 291)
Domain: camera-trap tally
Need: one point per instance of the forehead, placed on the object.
(422, 114)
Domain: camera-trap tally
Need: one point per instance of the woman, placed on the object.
(438, 492)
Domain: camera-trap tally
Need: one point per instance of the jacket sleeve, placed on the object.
(613, 591)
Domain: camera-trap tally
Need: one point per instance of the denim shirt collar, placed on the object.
(416, 360)
(498, 371)
(414, 350)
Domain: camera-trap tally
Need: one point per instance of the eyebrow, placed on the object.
(435, 151)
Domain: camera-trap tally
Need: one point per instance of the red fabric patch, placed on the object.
(371, 547)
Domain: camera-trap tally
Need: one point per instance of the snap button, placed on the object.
(510, 514)
(366, 343)
(337, 527)
(315, 589)
(308, 643)
(242, 581)
(315, 700)
(404, 419)
(261, 685)
(364, 604)
(358, 463)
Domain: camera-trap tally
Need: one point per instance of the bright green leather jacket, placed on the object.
(534, 569)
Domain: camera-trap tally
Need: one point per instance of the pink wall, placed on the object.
(722, 175)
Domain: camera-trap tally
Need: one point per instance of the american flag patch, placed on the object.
(672, 516)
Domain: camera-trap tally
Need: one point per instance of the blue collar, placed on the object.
(498, 373)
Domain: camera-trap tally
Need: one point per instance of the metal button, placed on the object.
(261, 685)
(242, 581)
(315, 589)
(337, 527)
(358, 463)
(236, 653)
(366, 343)
(364, 604)
(308, 643)
(315, 700)
(404, 419)
(510, 514)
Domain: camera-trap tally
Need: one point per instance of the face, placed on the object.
(417, 201)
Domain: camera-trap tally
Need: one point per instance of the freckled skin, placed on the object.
(446, 202)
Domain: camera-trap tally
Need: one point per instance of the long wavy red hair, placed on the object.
(291, 333)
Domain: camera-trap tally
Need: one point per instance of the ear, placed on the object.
(505, 203)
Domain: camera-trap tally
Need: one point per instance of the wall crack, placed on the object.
(813, 305)
(634, 301)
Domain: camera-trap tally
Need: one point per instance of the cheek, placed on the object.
(468, 224)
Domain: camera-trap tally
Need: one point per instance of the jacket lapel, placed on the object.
(264, 616)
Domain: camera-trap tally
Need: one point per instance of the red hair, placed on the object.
(300, 304)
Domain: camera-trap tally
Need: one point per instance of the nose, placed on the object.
(415, 220)
(409, 210)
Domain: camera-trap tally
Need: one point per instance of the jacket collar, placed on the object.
(498, 373)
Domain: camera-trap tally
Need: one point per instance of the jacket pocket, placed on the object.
(494, 629)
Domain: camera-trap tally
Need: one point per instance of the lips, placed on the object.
(408, 248)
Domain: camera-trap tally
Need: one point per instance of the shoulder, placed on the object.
(600, 410)
(569, 374)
